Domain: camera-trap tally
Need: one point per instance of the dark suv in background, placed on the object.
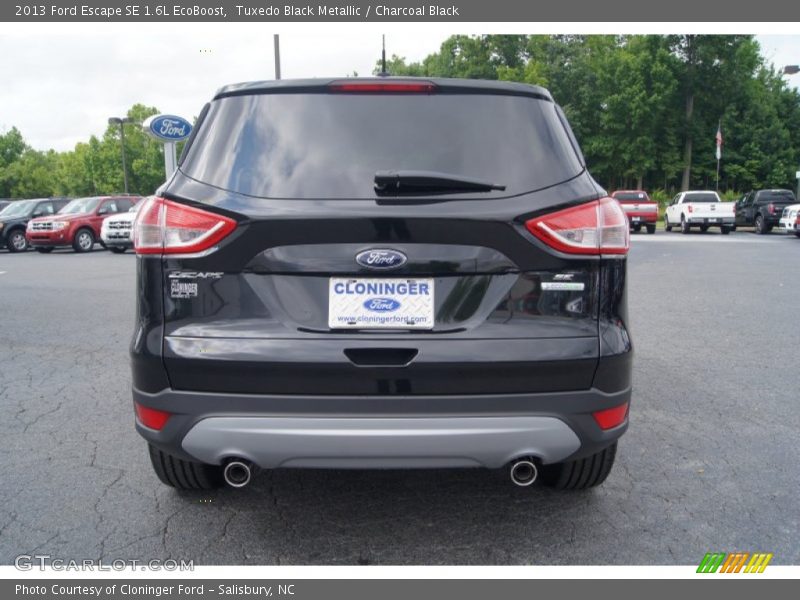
(14, 219)
(762, 209)
(381, 273)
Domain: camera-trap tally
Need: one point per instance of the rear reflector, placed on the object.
(166, 227)
(151, 417)
(597, 227)
(611, 417)
(381, 87)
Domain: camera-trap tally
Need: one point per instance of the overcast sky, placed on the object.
(59, 84)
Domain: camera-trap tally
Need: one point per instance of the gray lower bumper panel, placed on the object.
(417, 442)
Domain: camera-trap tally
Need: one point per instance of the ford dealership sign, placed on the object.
(168, 128)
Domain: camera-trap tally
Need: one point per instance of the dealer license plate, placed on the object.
(359, 303)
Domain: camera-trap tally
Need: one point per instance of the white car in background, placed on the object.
(116, 232)
(789, 217)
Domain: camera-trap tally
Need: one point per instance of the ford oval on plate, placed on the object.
(372, 303)
(382, 304)
(381, 258)
(168, 128)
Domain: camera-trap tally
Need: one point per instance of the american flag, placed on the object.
(719, 140)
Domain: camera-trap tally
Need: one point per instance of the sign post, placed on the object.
(797, 176)
(168, 129)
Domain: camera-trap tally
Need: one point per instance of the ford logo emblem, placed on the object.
(168, 128)
(381, 258)
(381, 304)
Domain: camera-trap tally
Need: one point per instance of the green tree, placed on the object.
(32, 174)
(12, 146)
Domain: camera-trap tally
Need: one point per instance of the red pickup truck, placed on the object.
(639, 208)
(77, 224)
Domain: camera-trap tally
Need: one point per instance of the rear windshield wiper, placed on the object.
(420, 182)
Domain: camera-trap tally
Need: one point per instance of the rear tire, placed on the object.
(651, 229)
(83, 241)
(724, 230)
(580, 474)
(685, 227)
(44, 250)
(183, 474)
(760, 226)
(16, 241)
(667, 226)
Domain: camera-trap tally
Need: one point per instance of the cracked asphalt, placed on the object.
(710, 462)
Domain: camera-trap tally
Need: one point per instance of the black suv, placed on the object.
(381, 273)
(762, 209)
(14, 219)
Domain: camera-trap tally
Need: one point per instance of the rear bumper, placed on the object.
(642, 218)
(711, 221)
(418, 442)
(381, 431)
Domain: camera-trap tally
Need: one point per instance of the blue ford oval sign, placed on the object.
(168, 128)
(381, 304)
(381, 258)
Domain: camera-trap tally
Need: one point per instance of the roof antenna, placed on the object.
(384, 72)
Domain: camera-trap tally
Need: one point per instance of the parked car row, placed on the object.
(48, 223)
(762, 209)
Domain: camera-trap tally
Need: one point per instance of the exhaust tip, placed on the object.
(523, 472)
(238, 473)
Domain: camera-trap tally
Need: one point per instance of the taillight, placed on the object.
(771, 208)
(151, 417)
(380, 87)
(597, 227)
(690, 208)
(611, 417)
(166, 227)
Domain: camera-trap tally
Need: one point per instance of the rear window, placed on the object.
(701, 197)
(640, 196)
(784, 196)
(331, 145)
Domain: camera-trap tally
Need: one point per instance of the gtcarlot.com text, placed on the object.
(29, 562)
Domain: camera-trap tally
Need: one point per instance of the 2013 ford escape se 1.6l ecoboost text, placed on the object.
(381, 273)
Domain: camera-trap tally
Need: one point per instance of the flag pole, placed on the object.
(718, 139)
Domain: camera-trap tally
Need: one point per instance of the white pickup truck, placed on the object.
(701, 209)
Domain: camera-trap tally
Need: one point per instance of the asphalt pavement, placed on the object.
(710, 462)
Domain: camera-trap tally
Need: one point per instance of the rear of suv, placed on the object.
(381, 273)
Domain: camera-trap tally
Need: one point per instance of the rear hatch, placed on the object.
(709, 206)
(777, 200)
(423, 280)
